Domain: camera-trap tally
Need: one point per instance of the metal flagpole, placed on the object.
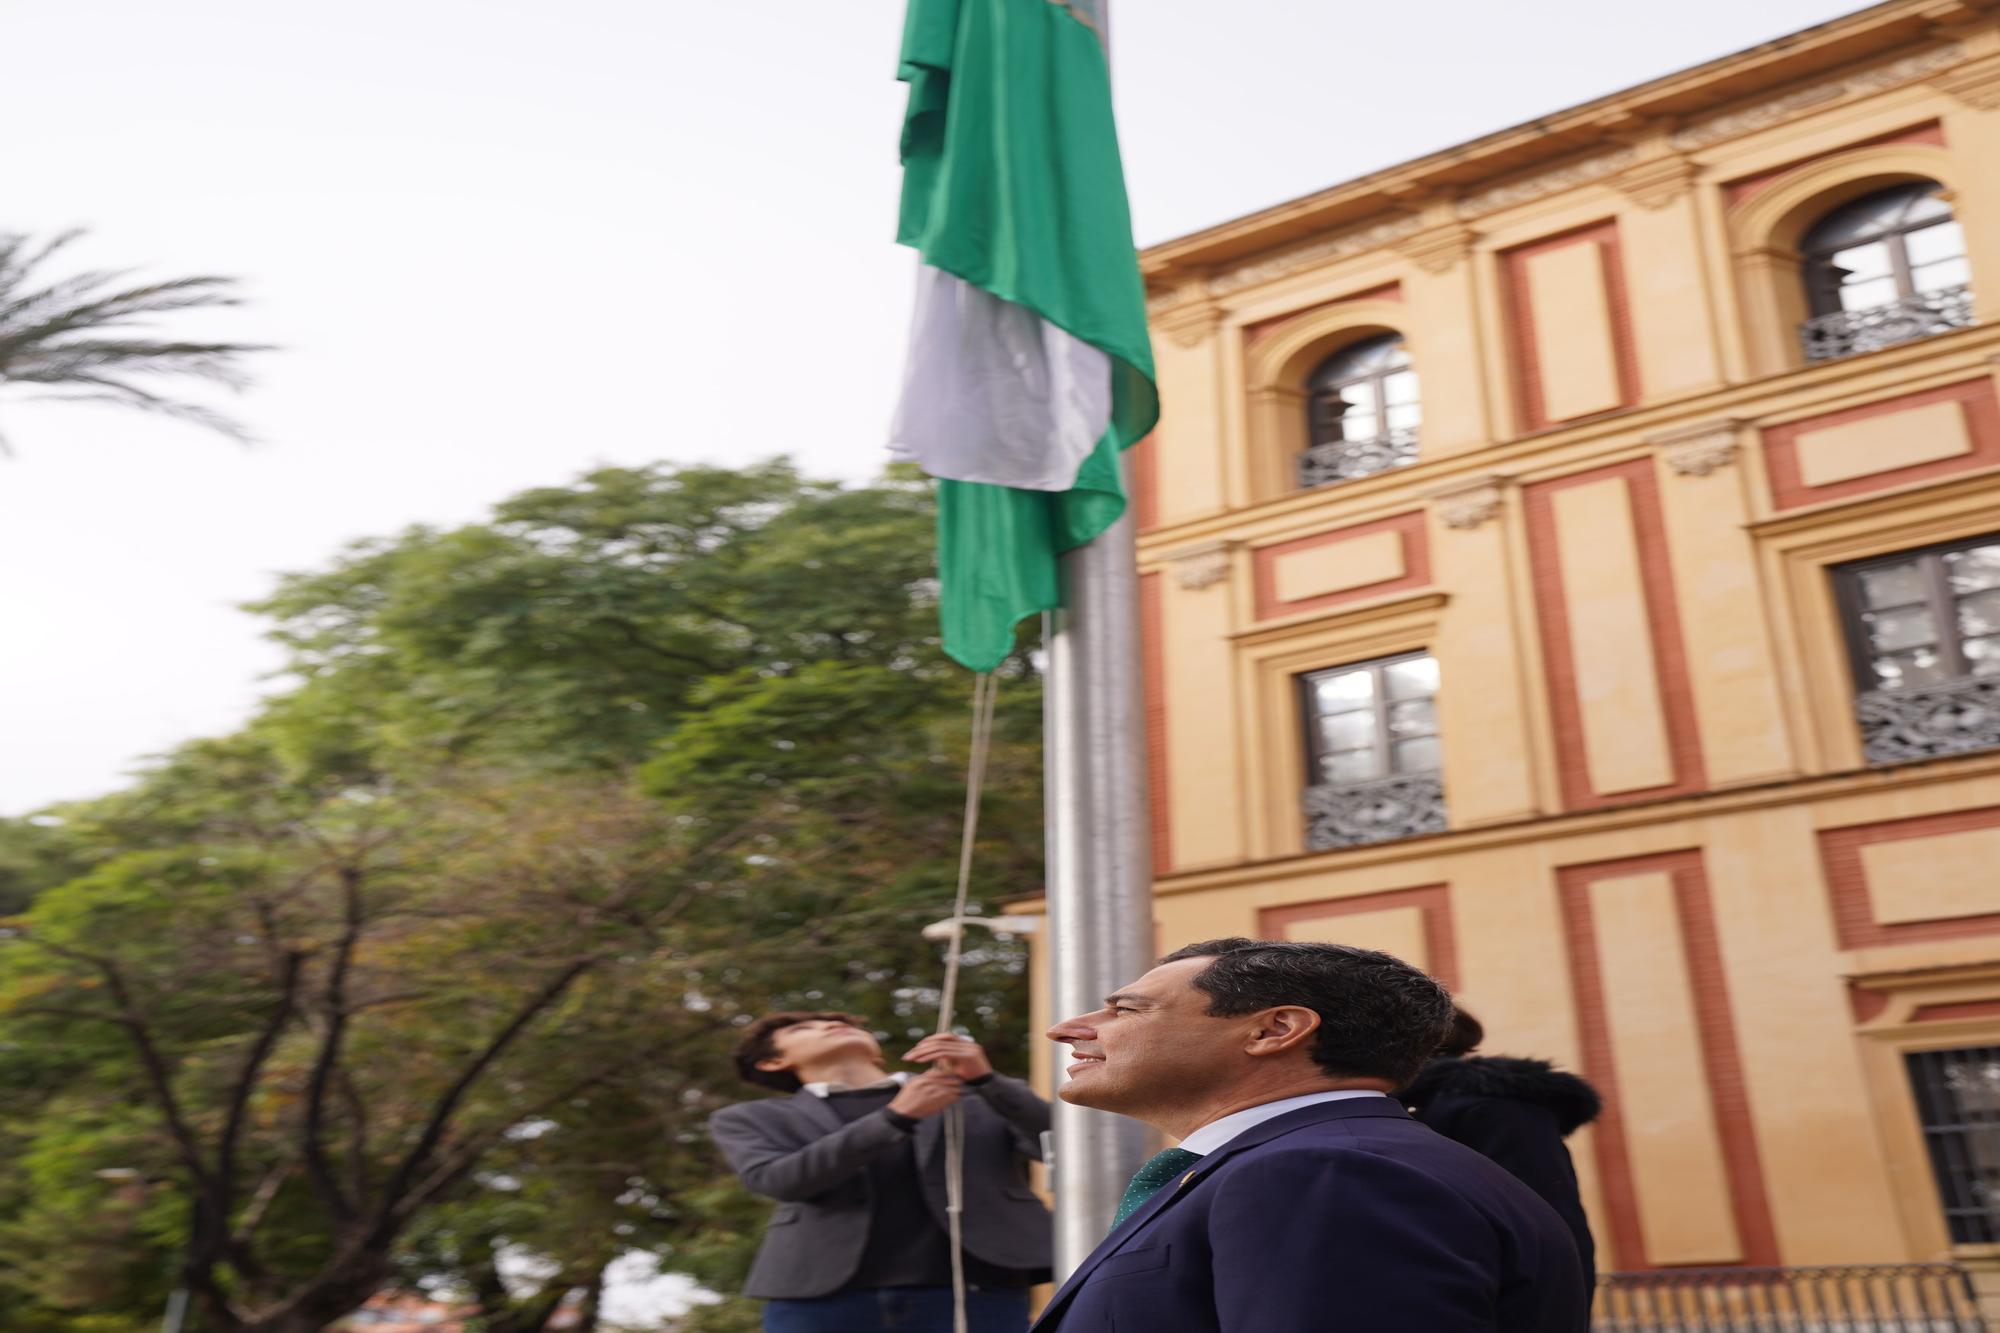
(1100, 872)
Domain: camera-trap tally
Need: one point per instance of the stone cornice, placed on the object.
(1887, 45)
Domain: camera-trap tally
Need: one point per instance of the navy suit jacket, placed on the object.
(1343, 1217)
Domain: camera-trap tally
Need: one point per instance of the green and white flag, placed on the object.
(1030, 368)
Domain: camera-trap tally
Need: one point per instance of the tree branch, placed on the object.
(313, 1136)
(390, 1211)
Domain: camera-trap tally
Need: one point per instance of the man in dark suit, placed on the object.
(1302, 1199)
(855, 1157)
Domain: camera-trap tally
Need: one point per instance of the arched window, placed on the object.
(1883, 269)
(1362, 412)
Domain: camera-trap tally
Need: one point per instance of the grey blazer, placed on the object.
(797, 1150)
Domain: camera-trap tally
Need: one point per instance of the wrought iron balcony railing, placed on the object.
(1926, 722)
(1353, 814)
(1344, 460)
(1858, 1298)
(1851, 332)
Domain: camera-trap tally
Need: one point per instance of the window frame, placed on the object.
(1957, 1182)
(1385, 741)
(1939, 600)
(1821, 274)
(1318, 394)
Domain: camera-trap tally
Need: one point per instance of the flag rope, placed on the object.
(984, 690)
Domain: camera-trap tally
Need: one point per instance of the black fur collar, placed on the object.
(1574, 1101)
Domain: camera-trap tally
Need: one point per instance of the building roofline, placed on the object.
(1611, 120)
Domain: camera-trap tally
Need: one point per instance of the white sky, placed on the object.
(503, 241)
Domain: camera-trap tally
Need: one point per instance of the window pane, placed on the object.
(1868, 295)
(1944, 241)
(1362, 358)
(1945, 273)
(1893, 585)
(1983, 655)
(1407, 416)
(1890, 630)
(1864, 262)
(1400, 387)
(1344, 731)
(1969, 571)
(1418, 717)
(1344, 690)
(1920, 666)
(1412, 678)
(1349, 766)
(1979, 614)
(1359, 421)
(1417, 756)
(1927, 205)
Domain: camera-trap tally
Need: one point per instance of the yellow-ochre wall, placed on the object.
(1667, 862)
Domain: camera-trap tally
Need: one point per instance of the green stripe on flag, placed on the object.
(1012, 182)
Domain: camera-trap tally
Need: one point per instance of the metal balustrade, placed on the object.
(1859, 1298)
(1851, 332)
(1344, 460)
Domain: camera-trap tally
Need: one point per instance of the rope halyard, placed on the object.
(984, 691)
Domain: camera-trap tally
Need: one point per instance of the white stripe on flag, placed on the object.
(995, 393)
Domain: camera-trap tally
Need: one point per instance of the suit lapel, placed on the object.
(1124, 1232)
(1167, 1194)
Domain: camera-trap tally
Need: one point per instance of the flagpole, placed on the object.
(1099, 840)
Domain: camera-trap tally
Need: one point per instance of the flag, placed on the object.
(1029, 367)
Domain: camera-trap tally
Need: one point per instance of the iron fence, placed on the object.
(1866, 1298)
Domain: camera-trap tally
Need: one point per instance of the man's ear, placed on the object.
(776, 1064)
(1289, 1027)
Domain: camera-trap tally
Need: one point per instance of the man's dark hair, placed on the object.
(1378, 1016)
(1465, 1035)
(757, 1044)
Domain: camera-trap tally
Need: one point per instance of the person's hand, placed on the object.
(927, 1094)
(953, 1053)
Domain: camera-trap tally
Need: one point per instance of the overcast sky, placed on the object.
(503, 241)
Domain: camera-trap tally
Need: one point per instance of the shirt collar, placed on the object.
(821, 1090)
(1218, 1133)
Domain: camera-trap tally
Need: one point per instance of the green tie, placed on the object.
(1155, 1173)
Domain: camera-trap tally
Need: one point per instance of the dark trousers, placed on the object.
(898, 1310)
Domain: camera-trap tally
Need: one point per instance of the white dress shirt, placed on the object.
(820, 1090)
(1218, 1133)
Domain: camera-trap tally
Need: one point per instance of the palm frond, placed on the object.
(75, 335)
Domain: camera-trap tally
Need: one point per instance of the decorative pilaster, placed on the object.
(1697, 451)
(1203, 566)
(1190, 317)
(1658, 182)
(1439, 249)
(1470, 502)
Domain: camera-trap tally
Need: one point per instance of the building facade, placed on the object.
(1571, 561)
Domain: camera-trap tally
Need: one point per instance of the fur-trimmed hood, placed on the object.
(1574, 1101)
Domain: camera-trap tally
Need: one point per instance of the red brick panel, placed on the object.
(1519, 307)
(1253, 334)
(1721, 1059)
(1152, 671)
(1847, 882)
(1416, 565)
(1433, 900)
(1662, 617)
(1749, 187)
(1982, 413)
(1938, 1013)
(1146, 484)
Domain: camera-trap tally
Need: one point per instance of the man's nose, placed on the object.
(1072, 1030)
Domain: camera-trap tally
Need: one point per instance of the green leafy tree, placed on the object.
(85, 337)
(436, 964)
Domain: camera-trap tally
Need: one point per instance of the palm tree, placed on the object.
(81, 338)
